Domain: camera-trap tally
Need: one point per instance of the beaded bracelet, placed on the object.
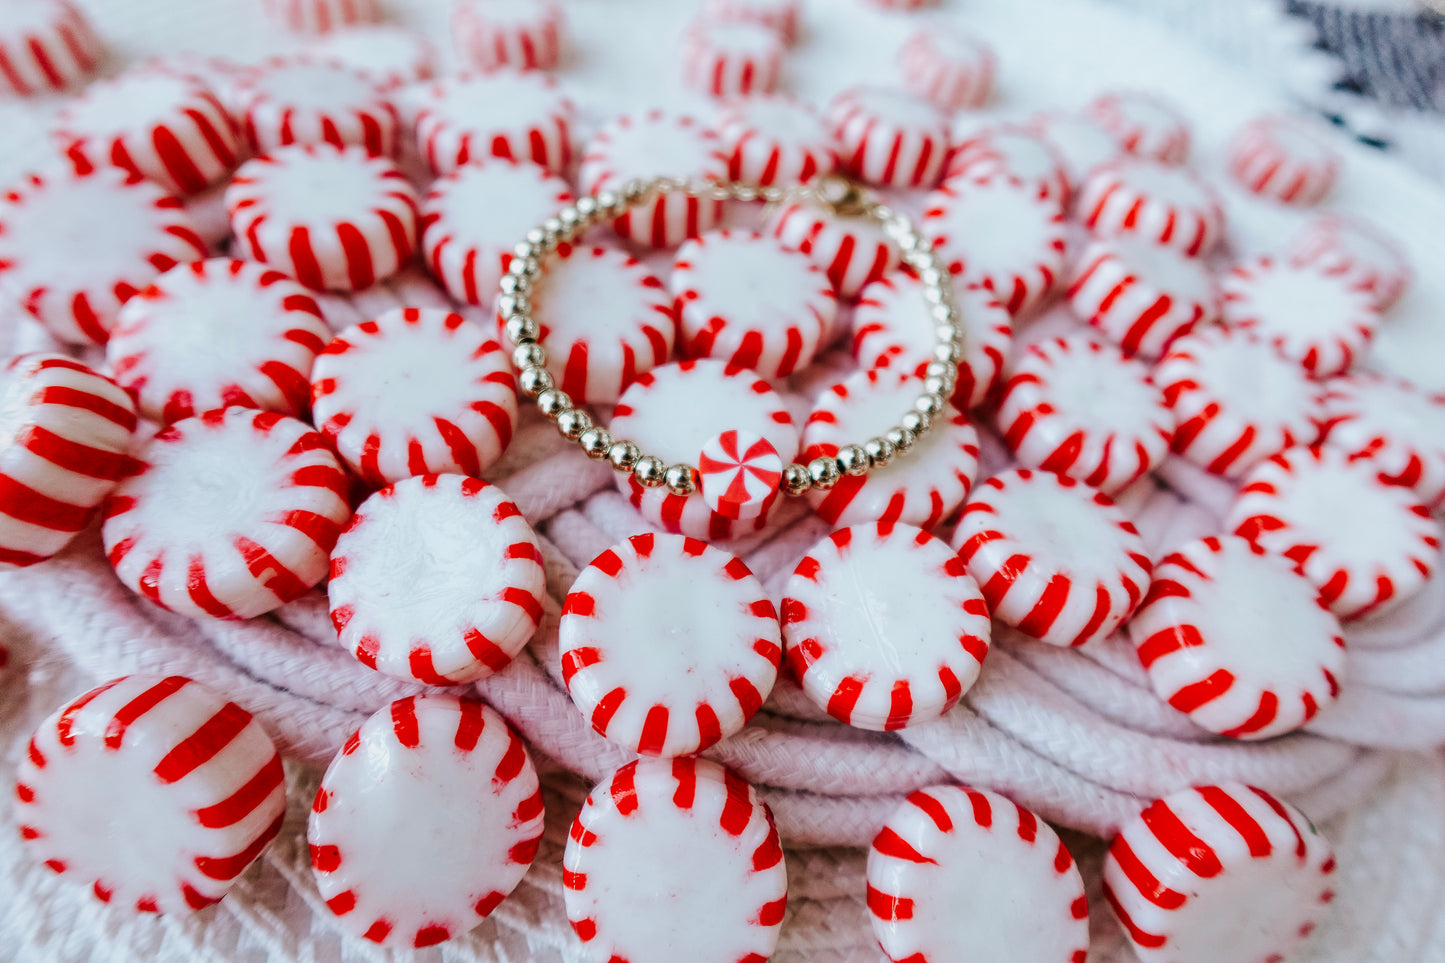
(836, 195)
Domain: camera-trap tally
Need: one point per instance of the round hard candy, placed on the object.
(775, 140)
(46, 46)
(889, 138)
(1284, 159)
(1171, 206)
(1398, 425)
(518, 34)
(1142, 295)
(1143, 124)
(310, 100)
(949, 68)
(522, 117)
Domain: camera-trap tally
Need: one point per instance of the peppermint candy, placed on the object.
(452, 602)
(360, 230)
(920, 489)
(1054, 558)
(719, 662)
(469, 254)
(1142, 295)
(162, 126)
(773, 324)
(1325, 322)
(394, 877)
(941, 849)
(68, 431)
(1080, 408)
(1357, 251)
(1284, 159)
(892, 328)
(658, 826)
(1171, 206)
(76, 246)
(740, 474)
(305, 100)
(1013, 154)
(215, 333)
(781, 15)
(1218, 872)
(775, 140)
(1143, 125)
(1397, 425)
(322, 16)
(1292, 505)
(649, 145)
(229, 515)
(391, 56)
(854, 658)
(417, 391)
(154, 791)
(523, 117)
(718, 399)
(947, 67)
(731, 59)
(520, 34)
(1000, 236)
(1081, 144)
(889, 138)
(1198, 635)
(605, 321)
(1235, 400)
(852, 250)
(47, 45)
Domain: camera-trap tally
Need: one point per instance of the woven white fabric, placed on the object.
(1076, 736)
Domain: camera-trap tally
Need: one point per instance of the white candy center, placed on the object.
(128, 104)
(55, 248)
(318, 88)
(1061, 528)
(321, 189)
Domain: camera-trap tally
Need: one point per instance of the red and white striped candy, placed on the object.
(949, 68)
(947, 847)
(660, 826)
(1357, 250)
(1363, 541)
(1142, 295)
(1325, 322)
(852, 250)
(451, 600)
(46, 45)
(731, 59)
(523, 117)
(1081, 144)
(469, 253)
(67, 431)
(418, 391)
(720, 653)
(1199, 633)
(893, 329)
(1235, 400)
(1399, 426)
(775, 140)
(428, 817)
(214, 333)
(1215, 873)
(902, 4)
(846, 644)
(1001, 236)
(333, 218)
(1055, 559)
(518, 34)
(782, 15)
(745, 299)
(717, 399)
(322, 16)
(1144, 125)
(230, 515)
(390, 55)
(1078, 407)
(74, 247)
(889, 138)
(155, 124)
(921, 487)
(605, 321)
(740, 474)
(1013, 154)
(1171, 206)
(153, 791)
(308, 100)
(1283, 158)
(649, 145)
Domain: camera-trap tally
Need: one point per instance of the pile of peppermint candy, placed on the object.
(245, 434)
